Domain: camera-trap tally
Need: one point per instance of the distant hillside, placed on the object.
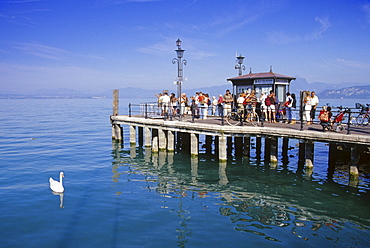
(133, 92)
(353, 92)
(325, 91)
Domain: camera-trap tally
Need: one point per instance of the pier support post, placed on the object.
(155, 144)
(147, 137)
(222, 154)
(170, 141)
(274, 150)
(229, 145)
(267, 149)
(117, 132)
(353, 170)
(194, 144)
(162, 141)
(284, 152)
(247, 146)
(301, 154)
(309, 154)
(140, 136)
(238, 146)
(258, 147)
(331, 160)
(208, 145)
(132, 135)
(217, 145)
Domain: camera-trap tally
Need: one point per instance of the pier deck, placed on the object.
(213, 125)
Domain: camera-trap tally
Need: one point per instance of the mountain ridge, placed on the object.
(322, 90)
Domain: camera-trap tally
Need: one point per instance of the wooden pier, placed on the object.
(166, 134)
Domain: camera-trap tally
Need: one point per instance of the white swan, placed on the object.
(57, 186)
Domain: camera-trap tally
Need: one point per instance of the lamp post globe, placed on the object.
(239, 66)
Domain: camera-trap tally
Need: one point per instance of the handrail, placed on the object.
(167, 112)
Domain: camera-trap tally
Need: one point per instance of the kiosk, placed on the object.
(262, 82)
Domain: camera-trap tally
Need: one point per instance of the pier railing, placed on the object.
(167, 112)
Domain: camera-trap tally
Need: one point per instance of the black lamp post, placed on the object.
(180, 61)
(240, 65)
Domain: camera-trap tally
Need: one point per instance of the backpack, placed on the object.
(324, 116)
(268, 101)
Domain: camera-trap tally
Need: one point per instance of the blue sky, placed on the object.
(100, 45)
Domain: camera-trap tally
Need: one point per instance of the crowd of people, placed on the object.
(267, 105)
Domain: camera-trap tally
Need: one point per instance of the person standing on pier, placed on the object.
(165, 101)
(228, 99)
(239, 102)
(270, 103)
(173, 104)
(263, 105)
(314, 103)
(307, 107)
(251, 101)
(214, 105)
(220, 105)
(183, 104)
(288, 107)
(206, 105)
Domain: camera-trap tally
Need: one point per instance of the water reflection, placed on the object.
(61, 197)
(257, 199)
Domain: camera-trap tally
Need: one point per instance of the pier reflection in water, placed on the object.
(266, 205)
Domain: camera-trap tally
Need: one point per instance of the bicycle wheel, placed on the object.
(363, 120)
(253, 118)
(366, 121)
(233, 119)
(353, 121)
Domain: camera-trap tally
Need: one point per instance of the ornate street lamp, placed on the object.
(240, 65)
(180, 61)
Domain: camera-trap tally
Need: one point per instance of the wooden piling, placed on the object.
(155, 144)
(208, 144)
(353, 170)
(147, 137)
(194, 144)
(247, 146)
(258, 147)
(238, 146)
(162, 141)
(274, 150)
(222, 154)
(132, 135)
(115, 102)
(117, 132)
(140, 132)
(170, 141)
(309, 153)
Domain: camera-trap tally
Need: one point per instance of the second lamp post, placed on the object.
(180, 61)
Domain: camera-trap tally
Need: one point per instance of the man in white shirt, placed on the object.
(165, 99)
(314, 103)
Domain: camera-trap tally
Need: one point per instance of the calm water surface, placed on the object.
(122, 196)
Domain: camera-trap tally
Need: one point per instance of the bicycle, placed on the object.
(336, 124)
(236, 117)
(363, 117)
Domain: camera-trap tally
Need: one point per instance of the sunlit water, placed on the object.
(122, 196)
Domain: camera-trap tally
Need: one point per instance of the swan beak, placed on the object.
(63, 175)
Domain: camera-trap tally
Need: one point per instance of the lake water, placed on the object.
(122, 196)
